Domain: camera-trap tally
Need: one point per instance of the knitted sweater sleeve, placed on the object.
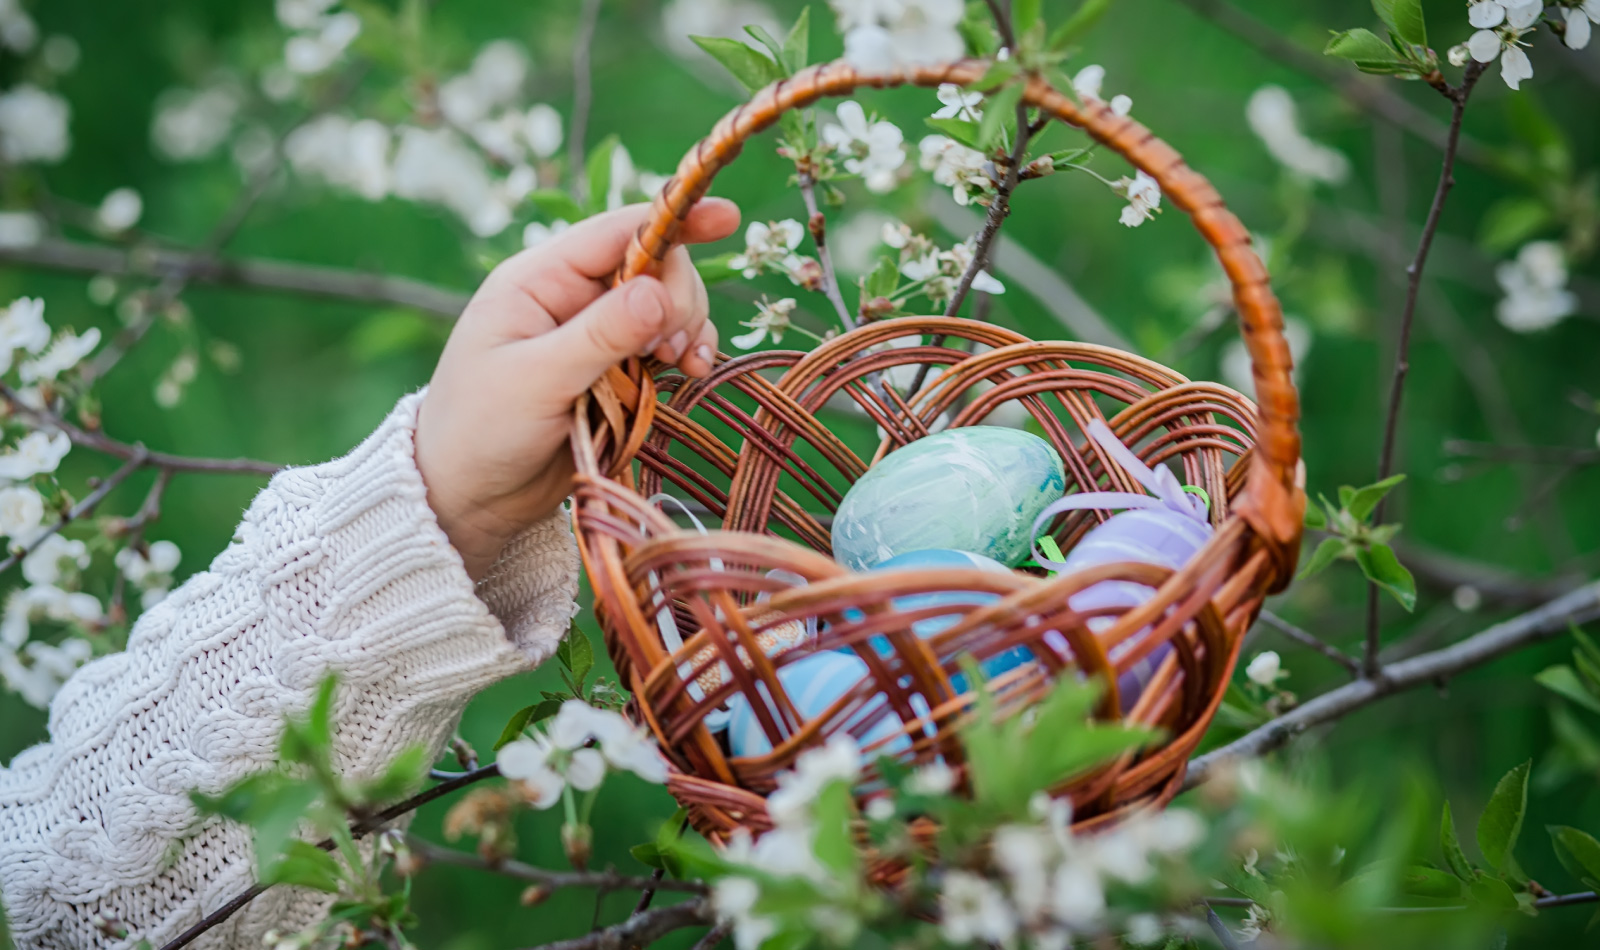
(336, 567)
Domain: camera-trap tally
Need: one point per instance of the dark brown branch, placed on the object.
(309, 280)
(640, 931)
(817, 226)
(1458, 96)
(582, 97)
(1542, 623)
(1307, 639)
(604, 880)
(713, 937)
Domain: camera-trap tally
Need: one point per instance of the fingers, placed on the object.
(690, 306)
(594, 247)
(568, 360)
(701, 358)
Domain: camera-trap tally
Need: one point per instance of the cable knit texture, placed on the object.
(339, 566)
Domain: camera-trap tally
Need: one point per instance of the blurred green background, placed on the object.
(316, 376)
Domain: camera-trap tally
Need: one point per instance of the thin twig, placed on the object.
(309, 280)
(640, 931)
(582, 97)
(1224, 935)
(1305, 638)
(1542, 623)
(817, 225)
(649, 894)
(1458, 96)
(604, 880)
(714, 936)
(1534, 454)
(82, 508)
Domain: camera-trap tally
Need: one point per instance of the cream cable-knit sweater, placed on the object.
(339, 566)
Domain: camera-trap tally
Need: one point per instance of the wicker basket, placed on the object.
(746, 444)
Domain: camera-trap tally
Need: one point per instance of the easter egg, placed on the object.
(813, 683)
(960, 602)
(976, 489)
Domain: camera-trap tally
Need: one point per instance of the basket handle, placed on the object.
(1274, 504)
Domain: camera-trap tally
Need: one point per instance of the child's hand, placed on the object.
(493, 429)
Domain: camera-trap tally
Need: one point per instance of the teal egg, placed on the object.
(814, 683)
(976, 489)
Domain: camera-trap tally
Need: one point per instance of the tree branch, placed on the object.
(641, 930)
(1458, 96)
(1307, 639)
(817, 225)
(1542, 623)
(308, 280)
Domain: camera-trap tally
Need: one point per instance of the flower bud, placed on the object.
(578, 841)
(534, 895)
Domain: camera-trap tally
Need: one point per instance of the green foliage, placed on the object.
(1405, 55)
(1356, 539)
(598, 171)
(1075, 27)
(1501, 822)
(750, 67)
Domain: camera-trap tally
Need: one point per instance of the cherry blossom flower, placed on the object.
(190, 124)
(1266, 669)
(1272, 117)
(541, 128)
(1144, 198)
(120, 210)
(67, 351)
(882, 34)
(974, 910)
(1087, 85)
(1575, 32)
(1535, 286)
(769, 246)
(1501, 25)
(313, 52)
(771, 319)
(935, 778)
(20, 229)
(22, 327)
(873, 149)
(622, 744)
(839, 760)
(959, 103)
(37, 453)
(18, 32)
(527, 763)
(965, 171)
(43, 565)
(33, 125)
(151, 571)
(353, 155)
(21, 513)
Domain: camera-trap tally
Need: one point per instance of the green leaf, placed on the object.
(1501, 822)
(770, 42)
(1024, 14)
(714, 270)
(977, 29)
(403, 776)
(1381, 566)
(1431, 883)
(1367, 52)
(883, 280)
(834, 842)
(1404, 19)
(305, 865)
(1454, 858)
(1363, 501)
(961, 130)
(1315, 518)
(1001, 108)
(752, 69)
(525, 717)
(998, 74)
(1564, 682)
(576, 654)
(1510, 222)
(558, 205)
(597, 169)
(1492, 892)
(797, 45)
(1328, 551)
(1081, 22)
(1579, 853)
(1586, 646)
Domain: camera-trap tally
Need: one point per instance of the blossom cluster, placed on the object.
(883, 34)
(1535, 287)
(1273, 118)
(581, 743)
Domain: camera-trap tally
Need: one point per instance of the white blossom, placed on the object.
(18, 32)
(935, 778)
(957, 103)
(1535, 287)
(67, 351)
(839, 760)
(495, 79)
(973, 910)
(120, 210)
(734, 899)
(434, 165)
(541, 127)
(769, 246)
(527, 762)
(1087, 84)
(873, 149)
(624, 745)
(1266, 669)
(43, 565)
(1576, 34)
(314, 52)
(22, 327)
(1501, 26)
(190, 124)
(1272, 116)
(302, 14)
(150, 571)
(854, 242)
(36, 453)
(770, 319)
(1144, 198)
(964, 170)
(47, 666)
(20, 229)
(882, 34)
(33, 125)
(353, 155)
(586, 770)
(1077, 898)
(21, 513)
(1024, 856)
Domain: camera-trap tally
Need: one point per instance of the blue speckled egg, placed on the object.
(813, 683)
(975, 489)
(960, 602)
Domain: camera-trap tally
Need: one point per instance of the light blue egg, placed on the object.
(975, 489)
(960, 602)
(813, 683)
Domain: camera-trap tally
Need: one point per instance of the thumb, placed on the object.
(625, 321)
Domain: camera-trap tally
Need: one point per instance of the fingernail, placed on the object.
(651, 346)
(677, 343)
(704, 352)
(645, 302)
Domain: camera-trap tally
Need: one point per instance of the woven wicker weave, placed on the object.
(746, 444)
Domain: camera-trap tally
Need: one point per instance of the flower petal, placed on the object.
(1577, 34)
(1486, 14)
(1484, 46)
(1515, 66)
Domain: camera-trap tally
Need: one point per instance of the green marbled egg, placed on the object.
(974, 489)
